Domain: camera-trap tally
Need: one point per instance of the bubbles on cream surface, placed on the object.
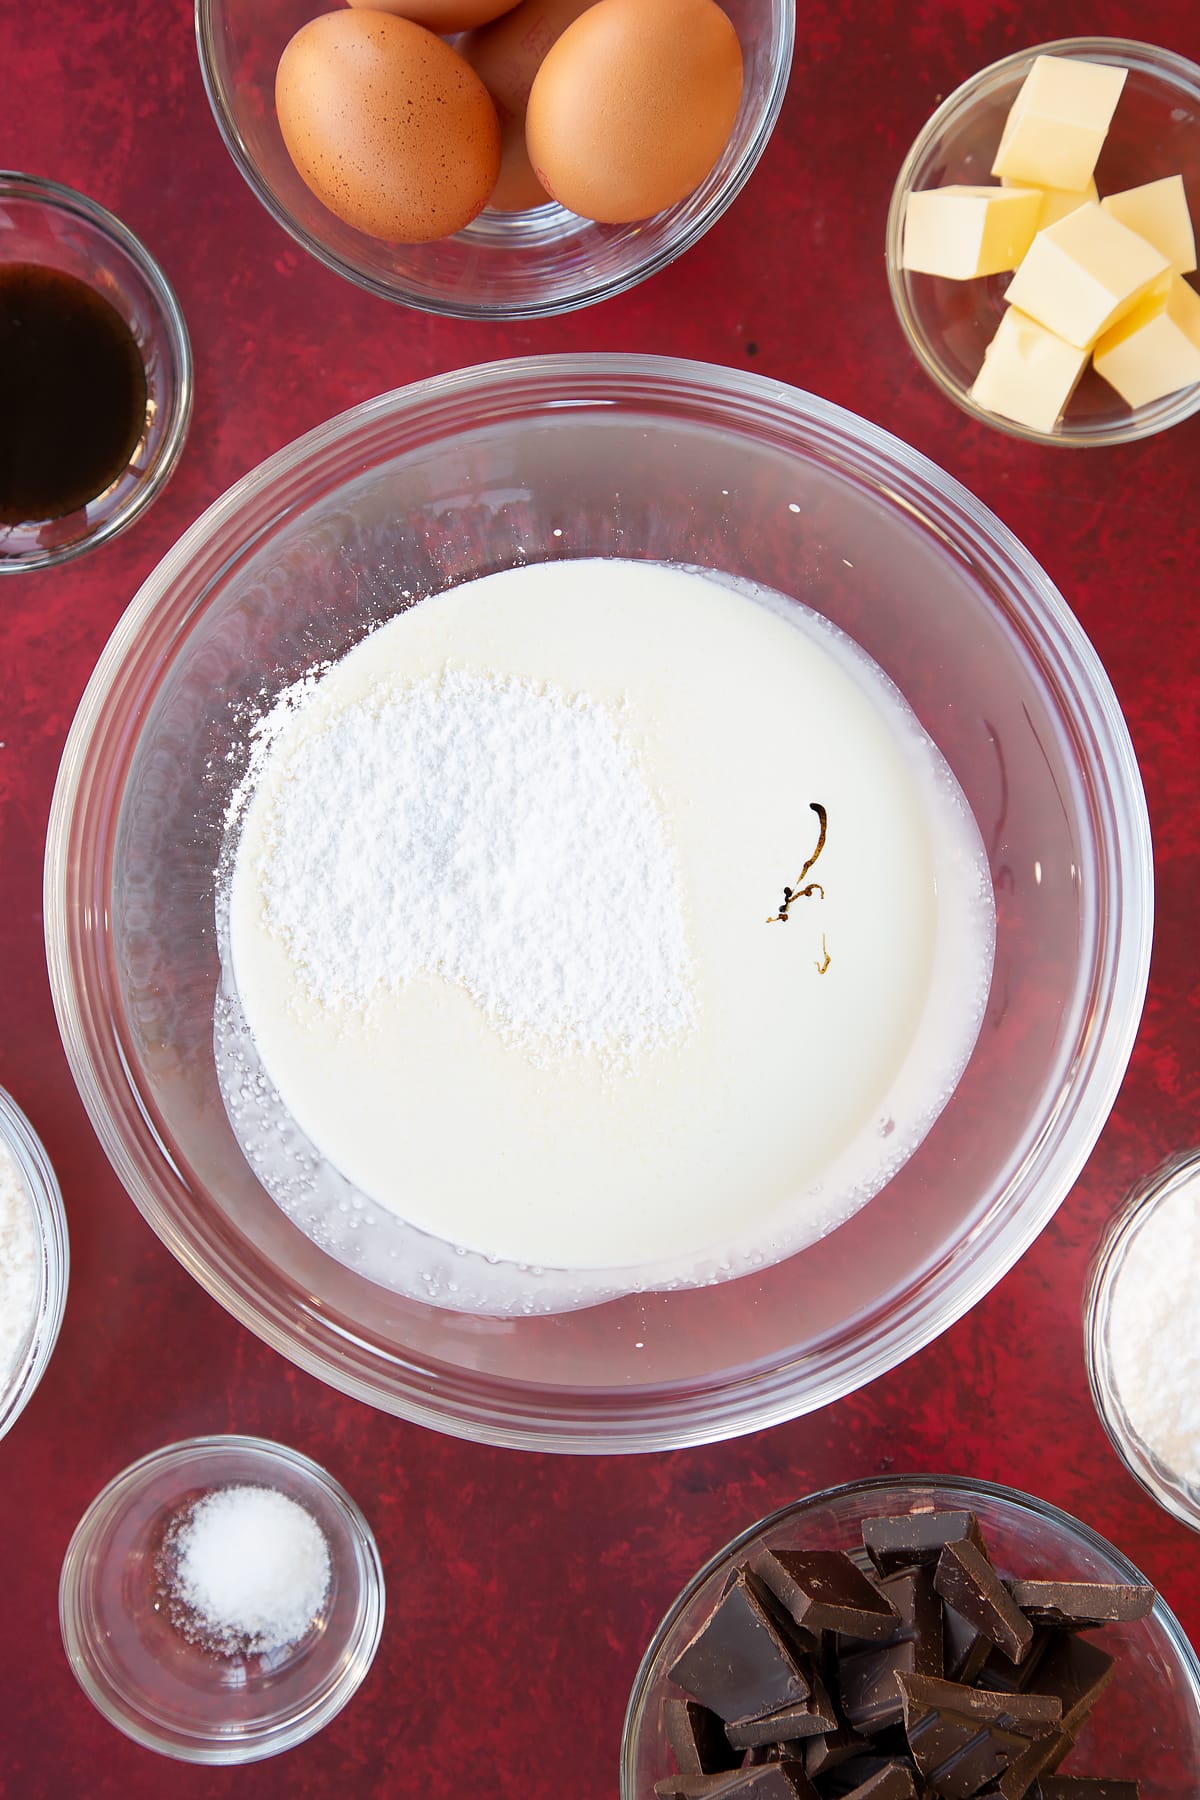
(541, 821)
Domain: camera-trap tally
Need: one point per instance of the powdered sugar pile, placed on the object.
(18, 1263)
(495, 832)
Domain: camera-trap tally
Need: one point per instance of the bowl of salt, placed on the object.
(221, 1599)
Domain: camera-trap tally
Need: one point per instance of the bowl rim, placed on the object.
(23, 1144)
(262, 1740)
(179, 385)
(590, 1420)
(1145, 421)
(1164, 1484)
(589, 290)
(958, 1486)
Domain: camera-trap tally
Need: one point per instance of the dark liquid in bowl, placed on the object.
(72, 393)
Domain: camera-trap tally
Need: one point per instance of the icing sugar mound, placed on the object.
(491, 831)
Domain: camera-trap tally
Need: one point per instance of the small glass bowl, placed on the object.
(172, 1695)
(23, 1146)
(1166, 1485)
(44, 223)
(1149, 1724)
(949, 324)
(522, 265)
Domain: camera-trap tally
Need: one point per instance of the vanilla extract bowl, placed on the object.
(95, 375)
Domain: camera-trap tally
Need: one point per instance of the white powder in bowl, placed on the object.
(248, 1570)
(18, 1264)
(1154, 1331)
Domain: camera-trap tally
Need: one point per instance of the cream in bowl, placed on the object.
(591, 852)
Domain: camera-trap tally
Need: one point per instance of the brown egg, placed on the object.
(387, 125)
(633, 106)
(507, 55)
(442, 16)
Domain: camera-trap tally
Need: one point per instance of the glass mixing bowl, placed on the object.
(949, 324)
(503, 265)
(1147, 1725)
(592, 456)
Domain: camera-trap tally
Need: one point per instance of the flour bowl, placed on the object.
(30, 1346)
(590, 456)
(1158, 1469)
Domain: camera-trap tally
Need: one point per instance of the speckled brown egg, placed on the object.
(387, 125)
(445, 16)
(506, 55)
(633, 105)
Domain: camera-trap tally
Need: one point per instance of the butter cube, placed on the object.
(1058, 122)
(1084, 274)
(1057, 202)
(1156, 348)
(964, 231)
(1158, 211)
(1028, 373)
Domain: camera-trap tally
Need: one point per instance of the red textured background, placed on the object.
(521, 1589)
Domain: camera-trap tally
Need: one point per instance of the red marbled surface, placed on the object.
(522, 1588)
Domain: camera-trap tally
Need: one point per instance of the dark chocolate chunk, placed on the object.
(894, 1783)
(802, 1643)
(917, 1537)
(846, 1776)
(697, 1737)
(773, 1781)
(1003, 1676)
(1085, 1787)
(823, 1591)
(962, 1738)
(870, 1698)
(966, 1580)
(1081, 1605)
(1076, 1672)
(738, 1665)
(811, 1717)
(965, 1650)
(696, 1787)
(824, 1754)
(1036, 1715)
(1043, 1754)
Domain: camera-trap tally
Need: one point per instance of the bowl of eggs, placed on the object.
(551, 153)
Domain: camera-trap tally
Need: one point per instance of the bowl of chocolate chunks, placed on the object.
(926, 1638)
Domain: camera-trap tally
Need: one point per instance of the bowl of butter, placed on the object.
(1041, 243)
